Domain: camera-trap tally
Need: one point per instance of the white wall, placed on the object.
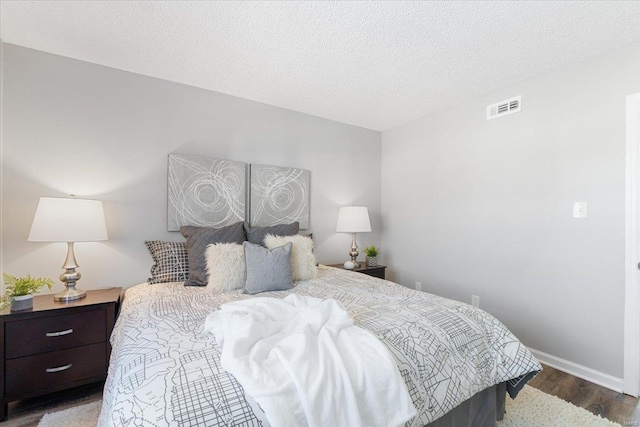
(72, 127)
(1, 150)
(481, 207)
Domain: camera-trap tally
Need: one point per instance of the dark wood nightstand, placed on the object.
(55, 345)
(377, 271)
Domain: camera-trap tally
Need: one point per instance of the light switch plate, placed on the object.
(580, 210)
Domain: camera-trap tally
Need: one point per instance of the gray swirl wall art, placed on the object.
(205, 192)
(279, 195)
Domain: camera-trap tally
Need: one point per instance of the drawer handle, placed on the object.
(59, 334)
(59, 368)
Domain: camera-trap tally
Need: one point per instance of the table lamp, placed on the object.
(353, 219)
(68, 220)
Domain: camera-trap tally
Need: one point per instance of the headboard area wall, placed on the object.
(97, 132)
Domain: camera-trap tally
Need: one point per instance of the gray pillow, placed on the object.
(257, 234)
(198, 238)
(267, 270)
(170, 261)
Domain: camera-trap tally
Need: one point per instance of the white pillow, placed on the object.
(225, 266)
(303, 262)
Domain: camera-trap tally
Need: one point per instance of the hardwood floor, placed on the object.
(609, 404)
(617, 407)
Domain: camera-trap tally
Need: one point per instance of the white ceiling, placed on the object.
(372, 64)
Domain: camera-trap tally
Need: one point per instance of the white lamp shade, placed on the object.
(353, 219)
(68, 220)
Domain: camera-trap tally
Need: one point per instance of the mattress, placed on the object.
(165, 370)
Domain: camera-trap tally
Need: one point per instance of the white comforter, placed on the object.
(305, 363)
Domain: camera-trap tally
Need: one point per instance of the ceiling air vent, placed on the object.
(503, 108)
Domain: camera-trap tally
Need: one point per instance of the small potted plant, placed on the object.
(372, 255)
(19, 291)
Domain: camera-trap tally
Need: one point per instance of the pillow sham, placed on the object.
(225, 266)
(257, 234)
(198, 238)
(303, 262)
(170, 263)
(267, 270)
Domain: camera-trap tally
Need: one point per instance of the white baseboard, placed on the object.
(591, 375)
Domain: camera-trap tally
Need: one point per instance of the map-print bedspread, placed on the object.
(165, 370)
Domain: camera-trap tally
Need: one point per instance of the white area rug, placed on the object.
(79, 416)
(532, 408)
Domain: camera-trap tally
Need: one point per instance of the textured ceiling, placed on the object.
(375, 65)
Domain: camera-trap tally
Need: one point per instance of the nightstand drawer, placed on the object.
(32, 373)
(375, 272)
(43, 334)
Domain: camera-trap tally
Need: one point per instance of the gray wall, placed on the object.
(470, 206)
(72, 127)
(481, 207)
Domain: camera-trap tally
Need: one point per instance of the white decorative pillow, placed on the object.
(303, 262)
(225, 267)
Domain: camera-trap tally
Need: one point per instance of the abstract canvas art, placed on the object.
(279, 195)
(205, 192)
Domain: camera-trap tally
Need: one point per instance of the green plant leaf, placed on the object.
(19, 286)
(371, 251)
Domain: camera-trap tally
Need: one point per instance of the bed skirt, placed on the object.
(481, 410)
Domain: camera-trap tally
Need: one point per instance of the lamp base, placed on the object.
(354, 251)
(70, 295)
(69, 278)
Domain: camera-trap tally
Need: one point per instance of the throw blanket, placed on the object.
(305, 363)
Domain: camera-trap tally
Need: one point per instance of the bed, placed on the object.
(457, 361)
